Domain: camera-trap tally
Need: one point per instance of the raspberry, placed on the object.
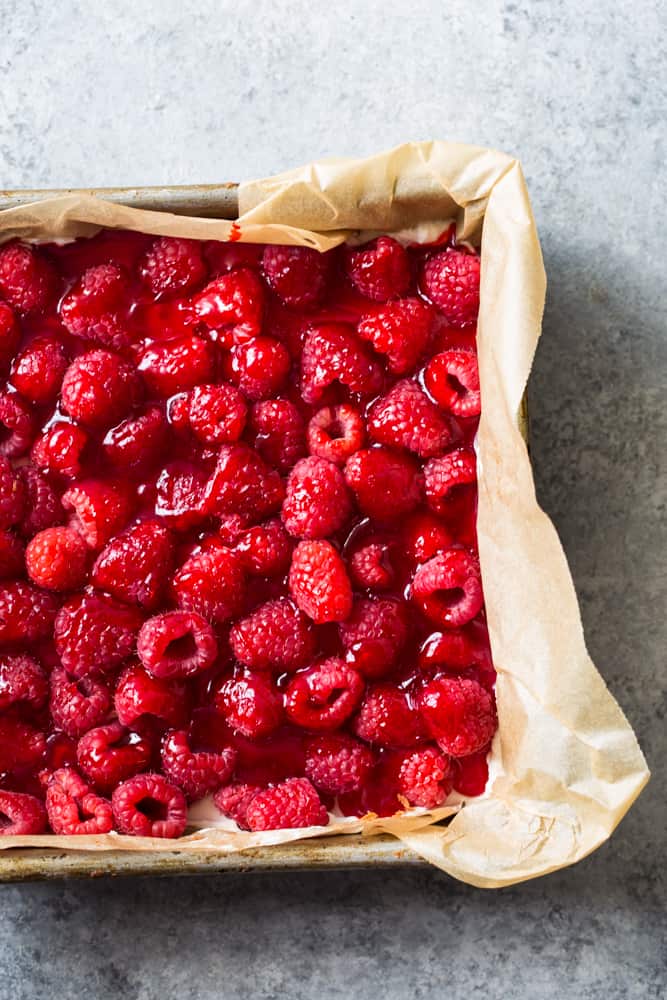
(26, 613)
(99, 389)
(138, 441)
(335, 433)
(387, 719)
(448, 588)
(425, 777)
(337, 763)
(380, 270)
(56, 559)
(99, 510)
(333, 353)
(472, 774)
(212, 584)
(451, 650)
(278, 432)
(93, 632)
(400, 331)
(172, 266)
(298, 275)
(233, 305)
(317, 502)
(38, 371)
(27, 279)
(17, 428)
(10, 335)
(386, 483)
(291, 805)
(444, 477)
(372, 564)
(138, 695)
(197, 773)
(21, 815)
(22, 680)
(425, 535)
(264, 549)
(233, 801)
(217, 413)
(11, 555)
(60, 449)
(73, 808)
(177, 644)
(134, 566)
(149, 806)
(319, 583)
(459, 713)
(96, 307)
(324, 696)
(250, 704)
(181, 489)
(260, 367)
(77, 705)
(275, 636)
(243, 484)
(172, 366)
(111, 753)
(374, 634)
(232, 256)
(452, 379)
(451, 281)
(42, 506)
(12, 494)
(407, 418)
(21, 746)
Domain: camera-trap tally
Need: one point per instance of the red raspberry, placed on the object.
(443, 477)
(217, 413)
(335, 433)
(22, 680)
(233, 801)
(21, 815)
(291, 805)
(73, 808)
(77, 705)
(387, 719)
(275, 636)
(380, 270)
(93, 632)
(472, 774)
(260, 367)
(12, 494)
(337, 763)
(173, 266)
(96, 307)
(425, 777)
(177, 644)
(233, 305)
(298, 275)
(374, 634)
(448, 588)
(319, 583)
(317, 502)
(243, 484)
(171, 366)
(386, 483)
(212, 584)
(197, 773)
(42, 505)
(400, 330)
(407, 418)
(451, 281)
(27, 279)
(17, 427)
(10, 337)
(37, 372)
(424, 535)
(452, 379)
(264, 549)
(60, 449)
(111, 753)
(332, 352)
(134, 566)
(56, 559)
(453, 650)
(138, 441)
(100, 388)
(324, 696)
(181, 489)
(100, 510)
(60, 752)
(138, 695)
(459, 713)
(149, 806)
(26, 613)
(11, 555)
(372, 563)
(21, 746)
(232, 256)
(250, 704)
(278, 432)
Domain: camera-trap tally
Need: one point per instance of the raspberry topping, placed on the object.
(425, 535)
(10, 334)
(38, 370)
(425, 777)
(386, 483)
(386, 718)
(452, 379)
(27, 280)
(11, 555)
(459, 713)
(42, 506)
(138, 694)
(12, 494)
(21, 745)
(264, 549)
(335, 433)
(212, 584)
(73, 808)
(175, 365)
(260, 367)
(96, 307)
(400, 330)
(444, 477)
(180, 495)
(112, 753)
(406, 418)
(278, 433)
(233, 801)
(251, 705)
(217, 413)
(172, 266)
(374, 634)
(451, 281)
(22, 680)
(317, 502)
(472, 774)
(333, 353)
(26, 612)
(290, 805)
(149, 806)
(324, 696)
(243, 484)
(99, 388)
(380, 269)
(448, 588)
(134, 566)
(94, 632)
(197, 773)
(298, 275)
(137, 442)
(337, 763)
(100, 509)
(77, 705)
(319, 583)
(232, 305)
(276, 636)
(17, 428)
(371, 564)
(56, 559)
(21, 814)
(177, 644)
(61, 449)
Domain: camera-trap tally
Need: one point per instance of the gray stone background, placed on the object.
(174, 91)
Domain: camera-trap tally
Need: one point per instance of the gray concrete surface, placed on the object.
(164, 91)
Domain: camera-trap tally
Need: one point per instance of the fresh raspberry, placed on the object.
(21, 746)
(149, 806)
(23, 680)
(171, 366)
(317, 502)
(138, 441)
(298, 275)
(400, 331)
(27, 279)
(259, 367)
(380, 270)
(424, 535)
(230, 528)
(448, 588)
(335, 433)
(99, 510)
(56, 559)
(332, 352)
(243, 484)
(197, 773)
(77, 705)
(278, 433)
(134, 566)
(275, 636)
(178, 411)
(217, 413)
(112, 753)
(233, 801)
(12, 494)
(138, 695)
(21, 815)
(319, 583)
(452, 378)
(264, 549)
(42, 506)
(73, 808)
(459, 713)
(181, 489)
(407, 418)
(17, 427)
(293, 804)
(60, 449)
(100, 388)
(452, 650)
(250, 704)
(37, 372)
(425, 777)
(96, 307)
(11, 554)
(212, 584)
(386, 483)
(372, 563)
(387, 719)
(451, 281)
(172, 266)
(233, 305)
(374, 634)
(325, 695)
(26, 613)
(93, 632)
(337, 763)
(444, 477)
(10, 335)
(472, 774)
(177, 644)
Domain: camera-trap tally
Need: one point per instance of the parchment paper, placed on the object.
(565, 764)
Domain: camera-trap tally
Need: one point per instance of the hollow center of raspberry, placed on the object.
(182, 648)
(152, 809)
(5, 821)
(456, 385)
(449, 597)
